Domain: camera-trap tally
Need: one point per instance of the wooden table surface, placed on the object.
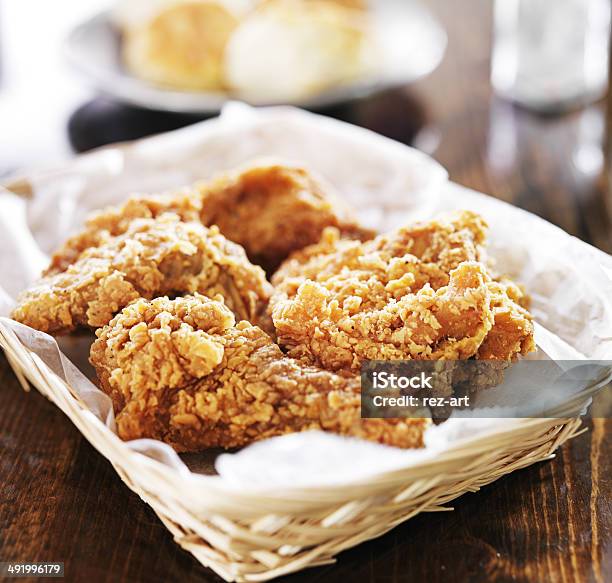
(61, 501)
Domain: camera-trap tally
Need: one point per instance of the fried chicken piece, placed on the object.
(154, 257)
(406, 259)
(269, 208)
(273, 210)
(367, 319)
(511, 336)
(183, 372)
(415, 293)
(359, 287)
(111, 222)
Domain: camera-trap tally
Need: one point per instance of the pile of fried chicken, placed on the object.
(243, 308)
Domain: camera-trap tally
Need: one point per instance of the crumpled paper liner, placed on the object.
(570, 282)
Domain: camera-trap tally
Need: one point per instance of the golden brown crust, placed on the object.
(273, 210)
(450, 323)
(114, 221)
(181, 371)
(270, 209)
(513, 332)
(426, 251)
(421, 292)
(161, 256)
(416, 293)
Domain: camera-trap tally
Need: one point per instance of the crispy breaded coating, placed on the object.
(274, 209)
(340, 302)
(114, 221)
(405, 259)
(513, 331)
(270, 209)
(339, 327)
(183, 372)
(512, 335)
(154, 257)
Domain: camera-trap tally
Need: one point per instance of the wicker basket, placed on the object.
(250, 536)
(256, 535)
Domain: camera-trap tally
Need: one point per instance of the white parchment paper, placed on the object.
(389, 184)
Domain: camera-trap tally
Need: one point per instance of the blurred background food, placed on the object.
(287, 49)
(179, 44)
(192, 56)
(275, 49)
